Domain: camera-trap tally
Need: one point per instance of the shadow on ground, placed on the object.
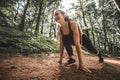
(108, 72)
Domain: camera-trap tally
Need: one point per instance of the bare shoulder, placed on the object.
(73, 24)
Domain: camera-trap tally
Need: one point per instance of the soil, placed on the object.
(37, 67)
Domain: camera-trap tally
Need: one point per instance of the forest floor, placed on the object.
(37, 67)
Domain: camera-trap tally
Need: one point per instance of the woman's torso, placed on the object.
(67, 34)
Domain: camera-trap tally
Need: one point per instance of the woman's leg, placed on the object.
(86, 42)
(69, 50)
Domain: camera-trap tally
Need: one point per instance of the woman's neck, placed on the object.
(63, 23)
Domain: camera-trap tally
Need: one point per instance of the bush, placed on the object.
(14, 41)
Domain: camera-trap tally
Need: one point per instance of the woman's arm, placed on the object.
(61, 47)
(80, 34)
(76, 36)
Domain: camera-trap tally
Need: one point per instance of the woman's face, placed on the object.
(58, 16)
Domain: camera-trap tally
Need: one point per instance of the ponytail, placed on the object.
(67, 18)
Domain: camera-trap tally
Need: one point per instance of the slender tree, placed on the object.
(38, 17)
(22, 23)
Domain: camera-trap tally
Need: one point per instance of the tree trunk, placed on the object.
(115, 21)
(83, 14)
(43, 20)
(92, 29)
(17, 11)
(54, 28)
(84, 20)
(51, 26)
(105, 32)
(98, 38)
(22, 24)
(42, 27)
(103, 22)
(50, 33)
(38, 18)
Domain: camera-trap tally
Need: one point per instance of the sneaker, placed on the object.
(70, 61)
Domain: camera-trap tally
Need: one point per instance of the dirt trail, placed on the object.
(46, 68)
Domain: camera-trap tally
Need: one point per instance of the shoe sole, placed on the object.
(66, 64)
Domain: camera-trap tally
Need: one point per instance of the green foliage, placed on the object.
(100, 19)
(14, 41)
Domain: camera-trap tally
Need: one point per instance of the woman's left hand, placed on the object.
(84, 69)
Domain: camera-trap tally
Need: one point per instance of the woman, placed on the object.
(70, 34)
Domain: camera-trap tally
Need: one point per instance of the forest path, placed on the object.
(36, 67)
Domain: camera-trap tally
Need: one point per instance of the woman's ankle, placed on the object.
(71, 57)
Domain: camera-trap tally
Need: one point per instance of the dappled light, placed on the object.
(59, 40)
(113, 61)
